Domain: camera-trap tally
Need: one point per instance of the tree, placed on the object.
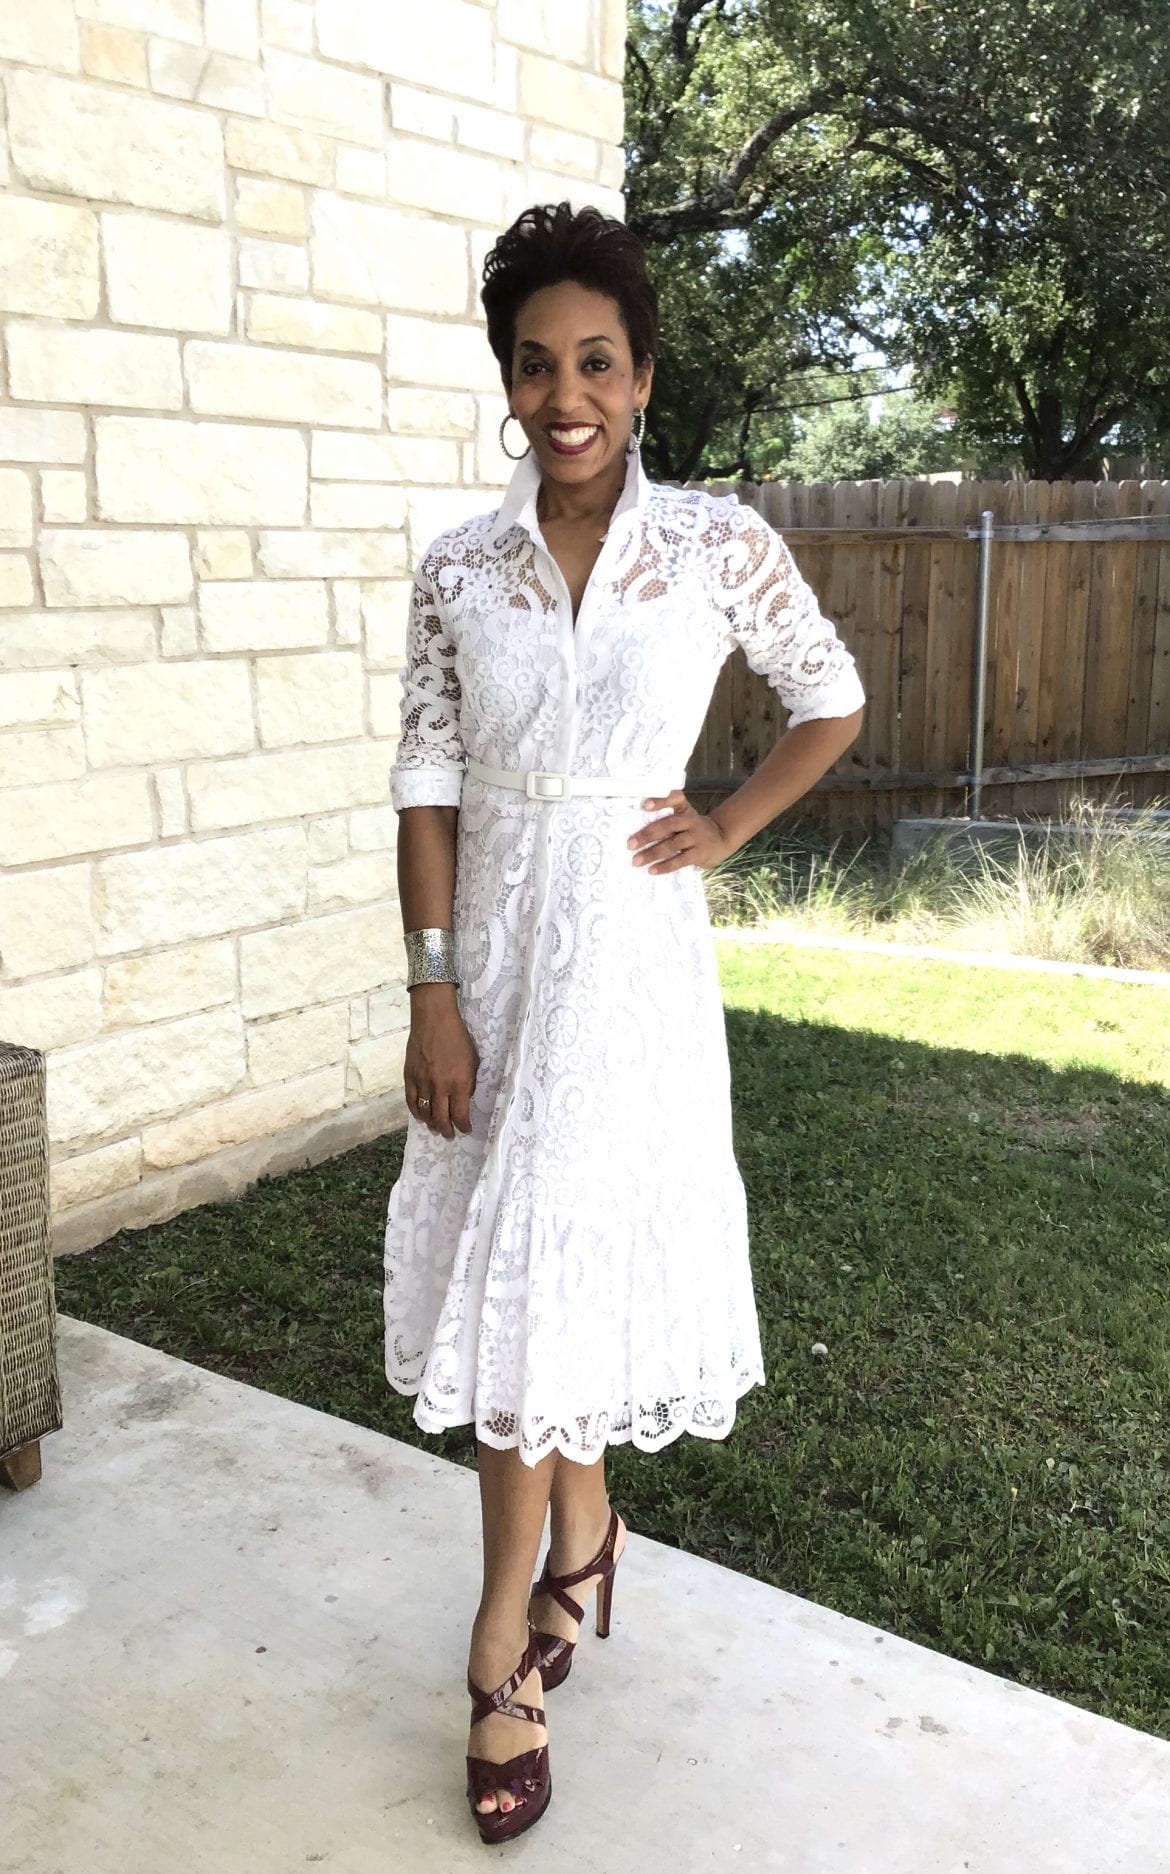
(842, 442)
(975, 186)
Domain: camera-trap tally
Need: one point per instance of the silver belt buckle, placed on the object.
(539, 784)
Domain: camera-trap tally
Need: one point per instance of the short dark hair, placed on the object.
(551, 243)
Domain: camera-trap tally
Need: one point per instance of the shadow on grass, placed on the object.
(980, 1462)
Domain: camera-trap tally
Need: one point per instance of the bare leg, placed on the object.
(580, 1524)
(514, 1499)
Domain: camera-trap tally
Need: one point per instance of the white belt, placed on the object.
(540, 784)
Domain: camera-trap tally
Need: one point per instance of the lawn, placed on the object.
(959, 1183)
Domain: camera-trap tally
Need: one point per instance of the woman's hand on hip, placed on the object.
(441, 1063)
(682, 837)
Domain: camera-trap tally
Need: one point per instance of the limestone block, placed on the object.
(48, 258)
(41, 435)
(259, 788)
(264, 615)
(267, 207)
(165, 983)
(62, 819)
(357, 504)
(113, 53)
(64, 495)
(430, 413)
(53, 1011)
(614, 22)
(98, 566)
(275, 320)
(347, 611)
(40, 32)
(89, 1175)
(373, 829)
(321, 960)
(31, 755)
(328, 838)
(312, 698)
(232, 26)
(421, 113)
(364, 252)
(213, 474)
(361, 172)
(41, 640)
(46, 921)
(287, 23)
(443, 181)
(431, 351)
(178, 19)
(123, 1081)
(175, 69)
(314, 96)
(273, 266)
(297, 1044)
(288, 386)
(167, 712)
(203, 888)
(272, 150)
(376, 1065)
(40, 699)
(223, 553)
(167, 273)
(71, 364)
(611, 171)
(389, 1010)
(360, 878)
(446, 45)
(564, 150)
(506, 80)
(491, 464)
(381, 458)
(80, 139)
(560, 28)
(359, 1018)
(16, 509)
(495, 133)
(179, 636)
(16, 586)
(170, 799)
(334, 555)
(231, 84)
(553, 93)
(251, 1115)
(385, 699)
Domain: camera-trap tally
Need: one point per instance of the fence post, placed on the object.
(979, 684)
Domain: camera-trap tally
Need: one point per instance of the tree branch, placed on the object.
(715, 209)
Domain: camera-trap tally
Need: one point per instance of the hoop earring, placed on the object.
(637, 433)
(503, 445)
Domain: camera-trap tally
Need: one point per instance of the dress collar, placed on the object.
(518, 508)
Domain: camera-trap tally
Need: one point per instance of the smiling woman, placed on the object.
(567, 1246)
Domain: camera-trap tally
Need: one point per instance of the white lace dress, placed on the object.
(574, 1272)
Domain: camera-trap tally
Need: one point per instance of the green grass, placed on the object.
(959, 1183)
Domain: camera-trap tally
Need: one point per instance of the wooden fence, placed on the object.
(1078, 656)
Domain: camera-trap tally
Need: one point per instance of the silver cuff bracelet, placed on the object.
(430, 957)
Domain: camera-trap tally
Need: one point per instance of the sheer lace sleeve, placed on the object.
(428, 768)
(772, 612)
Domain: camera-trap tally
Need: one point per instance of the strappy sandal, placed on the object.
(556, 1653)
(527, 1778)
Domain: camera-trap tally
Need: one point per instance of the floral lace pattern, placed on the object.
(574, 1272)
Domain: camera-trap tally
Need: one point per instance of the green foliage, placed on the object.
(979, 190)
(843, 443)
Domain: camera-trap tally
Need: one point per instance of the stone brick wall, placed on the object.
(243, 381)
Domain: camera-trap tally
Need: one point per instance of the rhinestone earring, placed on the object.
(503, 445)
(637, 432)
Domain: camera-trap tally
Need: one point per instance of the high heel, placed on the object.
(527, 1777)
(556, 1653)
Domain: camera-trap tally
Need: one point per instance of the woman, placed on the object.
(566, 1246)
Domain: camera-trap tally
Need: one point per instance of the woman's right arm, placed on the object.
(441, 1059)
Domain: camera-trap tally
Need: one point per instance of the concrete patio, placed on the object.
(232, 1641)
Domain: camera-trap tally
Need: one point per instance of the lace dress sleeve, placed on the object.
(430, 760)
(772, 612)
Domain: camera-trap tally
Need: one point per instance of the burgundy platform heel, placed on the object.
(556, 1653)
(527, 1777)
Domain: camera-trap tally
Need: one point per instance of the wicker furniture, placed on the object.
(30, 1397)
